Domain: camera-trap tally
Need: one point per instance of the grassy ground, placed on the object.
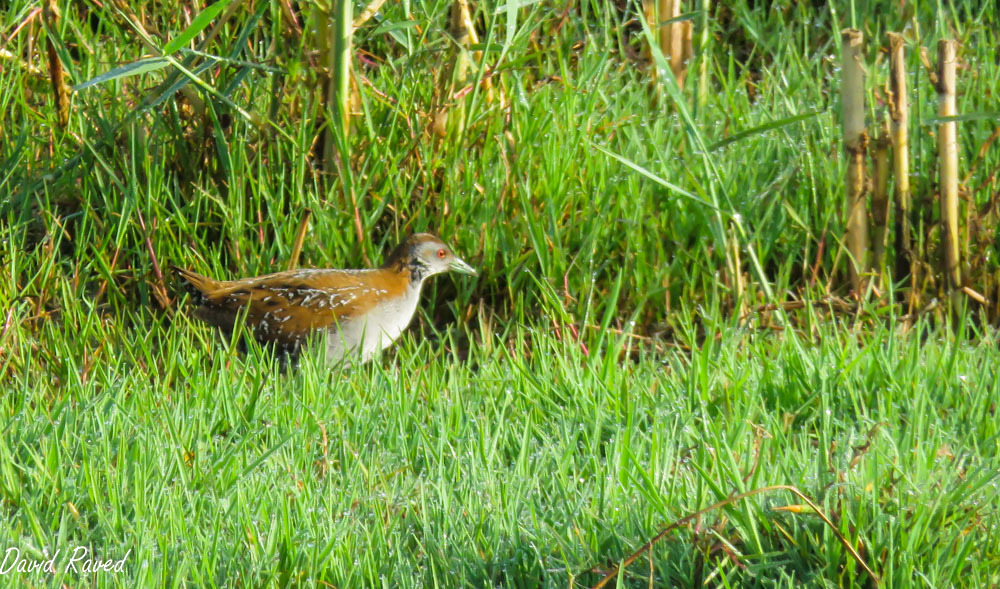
(538, 424)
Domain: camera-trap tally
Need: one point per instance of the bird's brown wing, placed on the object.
(285, 307)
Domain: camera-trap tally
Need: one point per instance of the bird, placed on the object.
(357, 313)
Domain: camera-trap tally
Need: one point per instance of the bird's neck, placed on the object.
(413, 269)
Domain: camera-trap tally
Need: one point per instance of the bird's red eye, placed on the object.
(442, 253)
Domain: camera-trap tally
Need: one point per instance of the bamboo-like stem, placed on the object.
(468, 37)
(465, 34)
(670, 40)
(300, 237)
(457, 71)
(880, 203)
(334, 29)
(736, 269)
(649, 12)
(948, 164)
(899, 111)
(687, 51)
(343, 27)
(60, 90)
(706, 8)
(674, 38)
(855, 144)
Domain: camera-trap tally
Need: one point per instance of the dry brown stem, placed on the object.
(855, 144)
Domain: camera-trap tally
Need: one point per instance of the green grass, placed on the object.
(540, 423)
(525, 463)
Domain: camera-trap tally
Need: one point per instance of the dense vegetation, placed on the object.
(601, 379)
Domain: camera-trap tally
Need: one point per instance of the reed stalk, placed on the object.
(948, 162)
(334, 27)
(674, 38)
(880, 203)
(855, 146)
(704, 37)
(60, 90)
(899, 134)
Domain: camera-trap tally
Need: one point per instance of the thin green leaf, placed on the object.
(237, 62)
(764, 128)
(655, 178)
(135, 68)
(199, 24)
(394, 26)
(681, 18)
(972, 116)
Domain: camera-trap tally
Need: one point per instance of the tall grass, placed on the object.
(602, 377)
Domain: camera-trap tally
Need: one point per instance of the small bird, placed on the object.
(355, 311)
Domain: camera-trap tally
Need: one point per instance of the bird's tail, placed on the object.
(200, 287)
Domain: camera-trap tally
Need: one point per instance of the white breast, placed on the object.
(374, 331)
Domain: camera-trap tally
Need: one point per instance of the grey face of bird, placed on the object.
(434, 257)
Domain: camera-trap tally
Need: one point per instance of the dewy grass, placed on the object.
(532, 462)
(534, 427)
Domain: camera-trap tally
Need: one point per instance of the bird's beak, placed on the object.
(458, 265)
